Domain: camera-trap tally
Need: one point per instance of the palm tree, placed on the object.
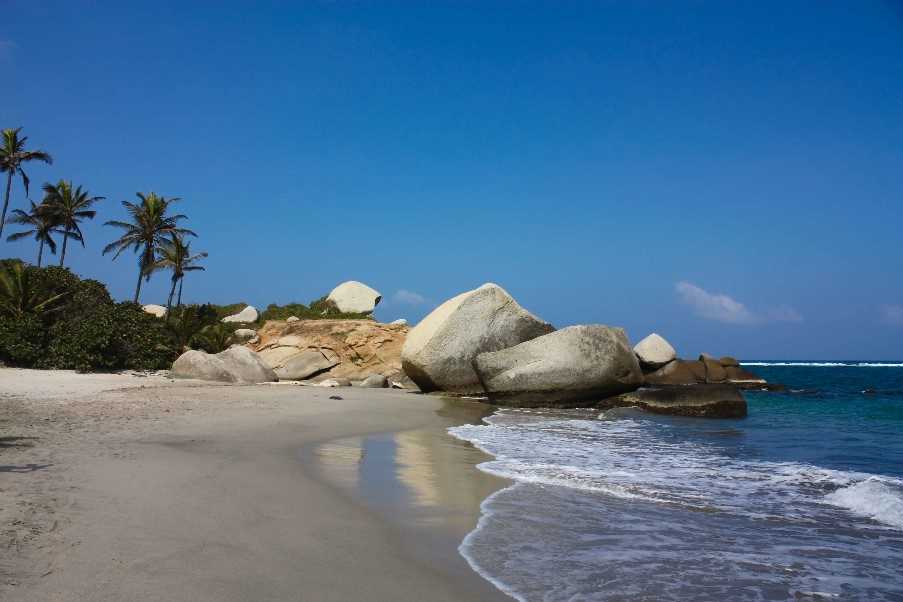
(70, 206)
(12, 156)
(43, 225)
(175, 255)
(150, 227)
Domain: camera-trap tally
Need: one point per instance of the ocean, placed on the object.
(801, 500)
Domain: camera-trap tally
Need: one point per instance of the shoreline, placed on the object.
(149, 488)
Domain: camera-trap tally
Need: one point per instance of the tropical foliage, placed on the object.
(13, 156)
(150, 228)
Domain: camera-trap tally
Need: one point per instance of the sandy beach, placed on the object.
(128, 487)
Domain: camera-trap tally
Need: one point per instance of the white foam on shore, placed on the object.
(828, 364)
(878, 498)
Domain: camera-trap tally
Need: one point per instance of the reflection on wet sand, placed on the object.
(424, 475)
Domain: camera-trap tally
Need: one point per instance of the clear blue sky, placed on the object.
(622, 163)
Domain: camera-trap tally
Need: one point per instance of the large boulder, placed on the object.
(375, 381)
(305, 364)
(201, 365)
(155, 310)
(654, 351)
(315, 349)
(438, 353)
(245, 316)
(354, 297)
(702, 400)
(236, 365)
(246, 365)
(570, 367)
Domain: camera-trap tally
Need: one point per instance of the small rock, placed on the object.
(292, 319)
(375, 381)
(399, 321)
(155, 310)
(335, 397)
(245, 334)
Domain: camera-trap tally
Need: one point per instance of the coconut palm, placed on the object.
(175, 255)
(70, 206)
(150, 227)
(12, 156)
(43, 224)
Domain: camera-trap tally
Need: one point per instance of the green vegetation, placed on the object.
(175, 255)
(318, 309)
(43, 226)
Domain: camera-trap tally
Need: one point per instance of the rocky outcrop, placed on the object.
(654, 351)
(714, 371)
(246, 316)
(306, 364)
(400, 321)
(574, 366)
(705, 370)
(701, 400)
(155, 310)
(235, 365)
(320, 349)
(439, 351)
(354, 297)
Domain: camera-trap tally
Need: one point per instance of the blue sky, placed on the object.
(726, 174)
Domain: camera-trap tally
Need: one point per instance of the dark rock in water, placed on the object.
(729, 362)
(678, 372)
(702, 400)
(738, 375)
(714, 371)
(571, 367)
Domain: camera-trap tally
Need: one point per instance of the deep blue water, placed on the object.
(801, 500)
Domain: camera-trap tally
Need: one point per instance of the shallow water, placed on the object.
(801, 500)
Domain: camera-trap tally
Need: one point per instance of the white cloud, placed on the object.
(722, 308)
(893, 314)
(408, 297)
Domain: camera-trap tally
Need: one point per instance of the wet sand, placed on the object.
(149, 489)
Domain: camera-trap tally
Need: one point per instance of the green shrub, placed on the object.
(21, 340)
(83, 329)
(317, 310)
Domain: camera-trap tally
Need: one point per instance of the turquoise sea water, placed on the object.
(801, 500)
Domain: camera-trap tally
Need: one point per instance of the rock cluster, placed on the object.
(439, 352)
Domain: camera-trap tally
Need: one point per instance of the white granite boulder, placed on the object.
(292, 319)
(244, 334)
(438, 353)
(235, 365)
(245, 316)
(354, 297)
(155, 310)
(654, 351)
(570, 367)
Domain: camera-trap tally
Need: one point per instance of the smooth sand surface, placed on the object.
(142, 488)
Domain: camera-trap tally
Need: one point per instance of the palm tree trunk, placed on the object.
(172, 291)
(179, 302)
(138, 288)
(9, 186)
(65, 240)
(40, 252)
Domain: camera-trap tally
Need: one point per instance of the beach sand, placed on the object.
(123, 487)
